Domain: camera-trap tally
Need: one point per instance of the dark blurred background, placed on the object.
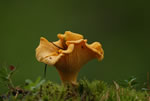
(122, 27)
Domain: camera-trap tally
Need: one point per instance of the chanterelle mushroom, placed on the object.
(68, 54)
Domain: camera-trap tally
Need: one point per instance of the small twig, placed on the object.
(57, 46)
(148, 99)
(45, 71)
(148, 85)
(105, 96)
(16, 95)
(10, 83)
(148, 80)
(40, 93)
(117, 90)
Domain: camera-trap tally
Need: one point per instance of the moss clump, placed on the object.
(42, 90)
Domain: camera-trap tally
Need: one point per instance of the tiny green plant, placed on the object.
(130, 82)
(6, 74)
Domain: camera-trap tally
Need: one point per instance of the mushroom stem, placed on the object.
(67, 77)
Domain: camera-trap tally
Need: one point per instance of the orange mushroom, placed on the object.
(68, 54)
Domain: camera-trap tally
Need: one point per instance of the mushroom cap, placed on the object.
(78, 51)
(70, 36)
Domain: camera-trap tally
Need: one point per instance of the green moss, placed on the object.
(42, 90)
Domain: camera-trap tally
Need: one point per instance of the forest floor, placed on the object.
(44, 90)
